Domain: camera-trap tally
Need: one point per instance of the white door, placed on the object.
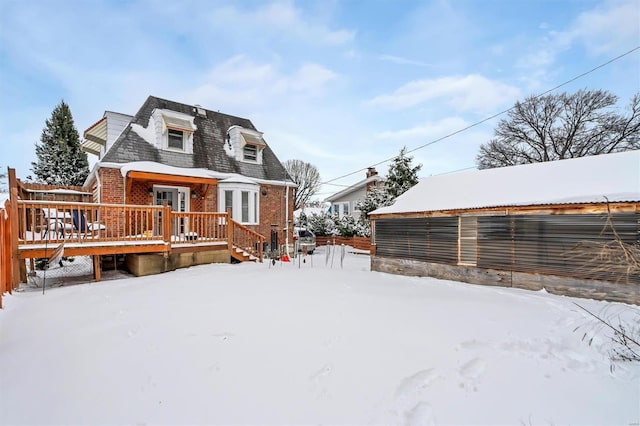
(178, 199)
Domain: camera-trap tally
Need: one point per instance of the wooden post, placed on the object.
(13, 233)
(97, 271)
(166, 224)
(6, 251)
(229, 231)
(4, 276)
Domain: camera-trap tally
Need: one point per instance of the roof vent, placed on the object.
(201, 111)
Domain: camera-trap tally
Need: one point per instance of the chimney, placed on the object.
(371, 171)
(199, 110)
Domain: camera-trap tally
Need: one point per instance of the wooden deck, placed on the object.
(91, 229)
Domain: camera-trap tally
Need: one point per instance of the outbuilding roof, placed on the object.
(613, 177)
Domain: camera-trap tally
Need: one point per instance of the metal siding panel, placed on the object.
(425, 239)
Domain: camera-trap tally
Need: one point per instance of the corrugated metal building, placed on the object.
(563, 226)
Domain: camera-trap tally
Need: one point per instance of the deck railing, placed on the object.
(198, 227)
(247, 240)
(46, 221)
(53, 222)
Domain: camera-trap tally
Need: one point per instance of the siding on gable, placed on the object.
(116, 123)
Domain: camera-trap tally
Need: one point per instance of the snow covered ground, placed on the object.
(308, 343)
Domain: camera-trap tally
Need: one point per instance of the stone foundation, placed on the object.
(156, 263)
(565, 286)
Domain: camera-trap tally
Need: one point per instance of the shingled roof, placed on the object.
(208, 144)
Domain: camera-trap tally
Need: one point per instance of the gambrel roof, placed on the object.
(595, 179)
(209, 138)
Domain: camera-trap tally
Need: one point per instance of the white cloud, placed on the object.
(403, 61)
(466, 93)
(424, 132)
(283, 18)
(608, 30)
(240, 81)
(311, 78)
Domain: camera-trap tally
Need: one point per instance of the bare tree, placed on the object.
(307, 177)
(558, 126)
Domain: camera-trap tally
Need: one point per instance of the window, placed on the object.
(245, 206)
(243, 201)
(255, 205)
(175, 139)
(340, 209)
(228, 201)
(468, 239)
(250, 153)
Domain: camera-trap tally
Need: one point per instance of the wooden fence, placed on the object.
(5, 251)
(360, 243)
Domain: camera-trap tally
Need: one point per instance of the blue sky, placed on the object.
(340, 84)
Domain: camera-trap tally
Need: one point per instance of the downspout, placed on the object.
(286, 216)
(99, 186)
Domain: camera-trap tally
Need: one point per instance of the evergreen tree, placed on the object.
(60, 161)
(3, 182)
(301, 221)
(402, 174)
(376, 197)
(322, 224)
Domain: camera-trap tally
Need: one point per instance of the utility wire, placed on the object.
(488, 118)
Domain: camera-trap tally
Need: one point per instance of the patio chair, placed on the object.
(82, 227)
(56, 221)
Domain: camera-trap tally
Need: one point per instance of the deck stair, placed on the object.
(242, 255)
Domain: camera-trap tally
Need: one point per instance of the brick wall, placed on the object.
(112, 192)
(272, 212)
(272, 201)
(112, 186)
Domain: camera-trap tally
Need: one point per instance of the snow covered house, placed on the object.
(193, 160)
(343, 203)
(547, 225)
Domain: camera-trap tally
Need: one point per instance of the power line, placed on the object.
(488, 118)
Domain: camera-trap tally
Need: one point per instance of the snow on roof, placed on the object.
(147, 133)
(579, 180)
(354, 187)
(152, 167)
(238, 179)
(4, 196)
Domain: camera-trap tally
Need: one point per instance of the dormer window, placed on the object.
(174, 130)
(252, 146)
(250, 153)
(175, 139)
(245, 145)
